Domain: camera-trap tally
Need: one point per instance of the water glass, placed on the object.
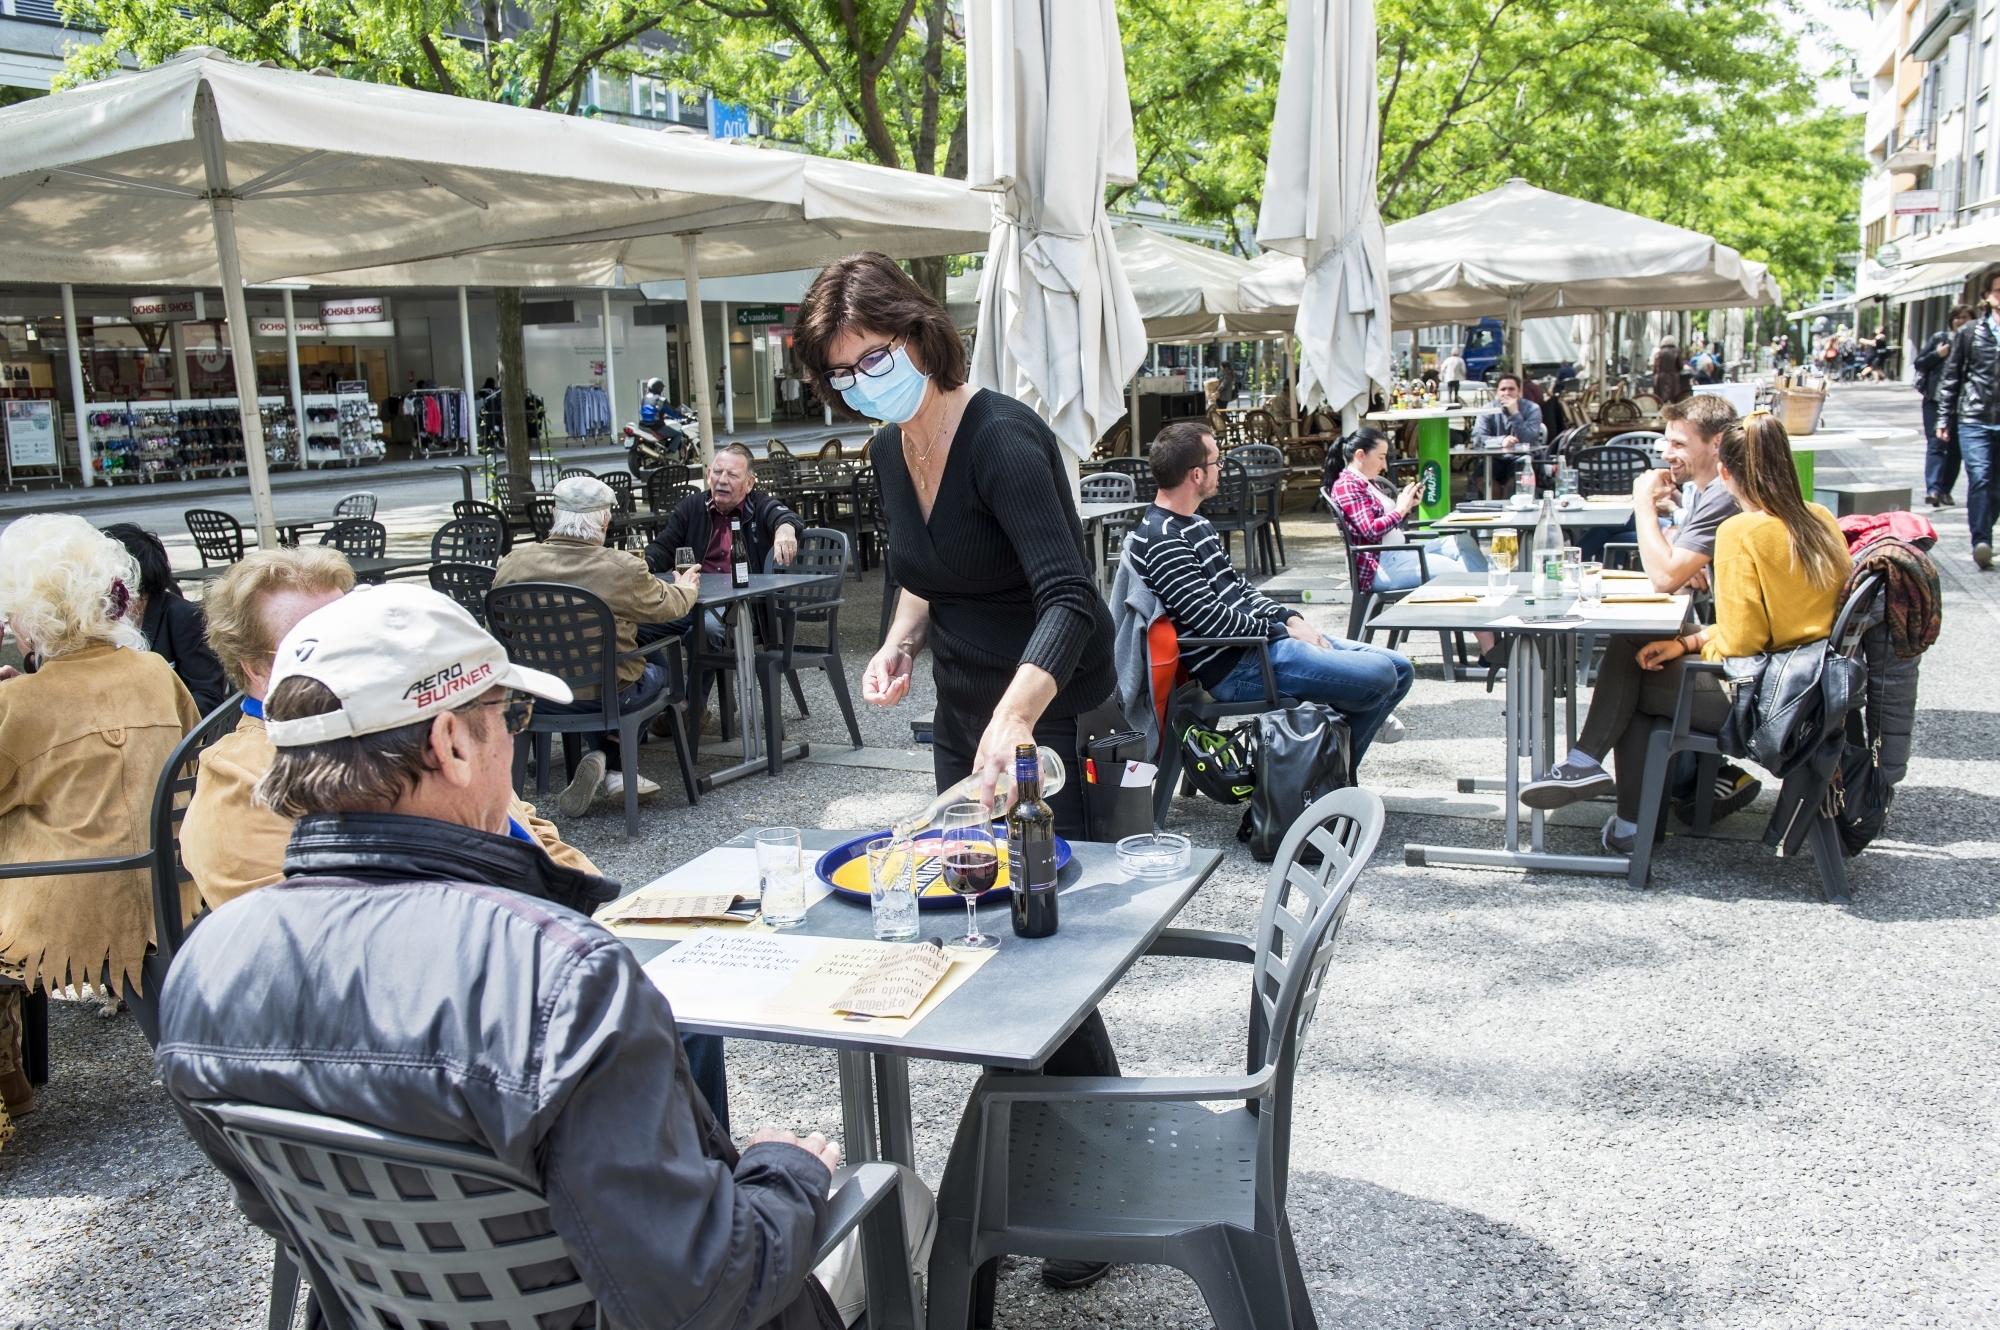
(1593, 582)
(1499, 580)
(1572, 571)
(892, 888)
(781, 876)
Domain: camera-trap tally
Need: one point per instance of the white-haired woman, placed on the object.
(82, 744)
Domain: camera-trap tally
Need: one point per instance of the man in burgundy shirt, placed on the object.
(700, 522)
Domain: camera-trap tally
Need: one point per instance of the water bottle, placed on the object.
(1524, 483)
(1548, 550)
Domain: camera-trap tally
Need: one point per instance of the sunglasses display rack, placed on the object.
(342, 427)
(182, 438)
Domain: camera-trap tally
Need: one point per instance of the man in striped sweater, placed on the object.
(1178, 554)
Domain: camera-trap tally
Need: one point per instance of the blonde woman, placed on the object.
(1780, 566)
(82, 744)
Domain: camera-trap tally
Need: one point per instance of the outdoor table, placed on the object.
(1537, 653)
(1433, 451)
(1600, 512)
(716, 592)
(1014, 1012)
(1094, 516)
(364, 568)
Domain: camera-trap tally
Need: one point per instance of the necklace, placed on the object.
(921, 462)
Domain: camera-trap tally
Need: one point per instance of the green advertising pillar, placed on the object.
(1434, 467)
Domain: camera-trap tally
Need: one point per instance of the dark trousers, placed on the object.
(954, 744)
(1623, 706)
(704, 1052)
(1940, 456)
(1977, 447)
(642, 691)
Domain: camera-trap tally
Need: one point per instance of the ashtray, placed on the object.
(1155, 853)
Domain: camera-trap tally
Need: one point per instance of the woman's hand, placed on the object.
(1004, 733)
(1655, 655)
(1406, 502)
(886, 681)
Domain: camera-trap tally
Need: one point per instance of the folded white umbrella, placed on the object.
(1319, 201)
(208, 171)
(1049, 125)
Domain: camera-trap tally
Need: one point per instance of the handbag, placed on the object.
(1303, 753)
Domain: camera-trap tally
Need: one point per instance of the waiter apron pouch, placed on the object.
(1112, 810)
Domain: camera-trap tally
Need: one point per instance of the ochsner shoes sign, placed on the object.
(355, 309)
(169, 309)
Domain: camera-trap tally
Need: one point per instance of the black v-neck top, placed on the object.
(1002, 562)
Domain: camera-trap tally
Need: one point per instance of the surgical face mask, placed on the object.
(893, 395)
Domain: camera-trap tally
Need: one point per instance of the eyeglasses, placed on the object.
(515, 712)
(873, 365)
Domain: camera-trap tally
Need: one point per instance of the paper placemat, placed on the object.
(731, 868)
(1443, 596)
(786, 979)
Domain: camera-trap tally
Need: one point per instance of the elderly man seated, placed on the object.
(408, 897)
(700, 523)
(575, 555)
(230, 842)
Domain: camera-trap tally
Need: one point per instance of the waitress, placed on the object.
(984, 542)
(983, 534)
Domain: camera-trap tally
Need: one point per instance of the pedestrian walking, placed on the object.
(1940, 447)
(1969, 394)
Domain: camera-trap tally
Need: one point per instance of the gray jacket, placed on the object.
(442, 982)
(1134, 607)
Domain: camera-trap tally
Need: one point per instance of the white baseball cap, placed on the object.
(394, 655)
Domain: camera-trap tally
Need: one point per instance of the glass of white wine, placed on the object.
(1506, 544)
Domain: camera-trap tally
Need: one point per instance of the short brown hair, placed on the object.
(868, 290)
(1709, 413)
(357, 775)
(1963, 312)
(236, 625)
(1179, 449)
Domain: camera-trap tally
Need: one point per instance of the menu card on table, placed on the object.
(810, 983)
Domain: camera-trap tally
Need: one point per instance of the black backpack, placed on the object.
(1302, 754)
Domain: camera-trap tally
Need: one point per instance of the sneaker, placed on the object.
(1567, 784)
(575, 799)
(1391, 731)
(1073, 1274)
(614, 786)
(1982, 554)
(1735, 790)
(1616, 843)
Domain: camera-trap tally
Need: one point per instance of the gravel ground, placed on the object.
(1529, 1100)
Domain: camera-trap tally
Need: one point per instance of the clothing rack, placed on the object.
(586, 411)
(443, 420)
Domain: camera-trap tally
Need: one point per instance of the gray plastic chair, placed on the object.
(1096, 1168)
(358, 504)
(394, 1230)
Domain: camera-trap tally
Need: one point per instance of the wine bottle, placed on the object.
(739, 555)
(1031, 849)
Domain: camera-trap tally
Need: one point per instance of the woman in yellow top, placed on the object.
(1780, 567)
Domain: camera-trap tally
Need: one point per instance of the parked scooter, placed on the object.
(663, 433)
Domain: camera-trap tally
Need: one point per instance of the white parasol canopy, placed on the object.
(1319, 199)
(1049, 125)
(1185, 292)
(205, 170)
(1518, 250)
(1975, 242)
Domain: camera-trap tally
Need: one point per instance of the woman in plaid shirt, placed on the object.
(1371, 518)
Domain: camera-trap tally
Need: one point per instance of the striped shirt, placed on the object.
(1180, 560)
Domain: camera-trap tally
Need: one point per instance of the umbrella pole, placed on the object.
(698, 345)
(222, 206)
(465, 368)
(83, 450)
(1514, 333)
(610, 379)
(292, 375)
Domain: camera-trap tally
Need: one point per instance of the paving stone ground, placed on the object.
(1527, 1100)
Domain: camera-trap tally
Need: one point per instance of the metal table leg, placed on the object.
(1531, 724)
(749, 709)
(875, 1108)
